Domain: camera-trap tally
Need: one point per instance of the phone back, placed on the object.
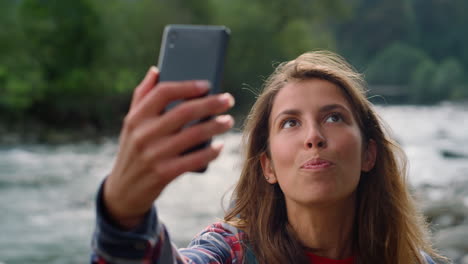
(191, 52)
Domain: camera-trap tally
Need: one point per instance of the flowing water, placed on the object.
(47, 191)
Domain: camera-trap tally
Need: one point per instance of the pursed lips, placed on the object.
(316, 164)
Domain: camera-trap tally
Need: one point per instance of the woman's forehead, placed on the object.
(311, 94)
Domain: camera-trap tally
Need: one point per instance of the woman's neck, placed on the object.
(325, 230)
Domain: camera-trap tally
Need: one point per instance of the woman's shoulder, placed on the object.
(226, 231)
(219, 239)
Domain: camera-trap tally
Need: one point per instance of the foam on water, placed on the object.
(47, 199)
(424, 133)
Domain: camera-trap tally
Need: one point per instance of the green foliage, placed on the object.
(373, 26)
(421, 82)
(396, 42)
(21, 81)
(76, 63)
(395, 64)
(19, 91)
(431, 83)
(441, 27)
(449, 81)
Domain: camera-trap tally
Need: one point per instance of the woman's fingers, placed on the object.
(176, 118)
(194, 109)
(190, 162)
(154, 103)
(177, 144)
(145, 86)
(167, 92)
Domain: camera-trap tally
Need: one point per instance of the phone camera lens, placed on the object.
(172, 39)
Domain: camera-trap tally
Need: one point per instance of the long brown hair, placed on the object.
(388, 227)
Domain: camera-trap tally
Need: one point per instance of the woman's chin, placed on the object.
(320, 197)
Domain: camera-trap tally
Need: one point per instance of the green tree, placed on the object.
(395, 64)
(21, 82)
(432, 83)
(449, 81)
(440, 28)
(62, 39)
(422, 82)
(372, 26)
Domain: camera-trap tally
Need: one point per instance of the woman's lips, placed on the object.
(314, 164)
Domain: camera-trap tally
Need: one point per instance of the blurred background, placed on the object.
(68, 68)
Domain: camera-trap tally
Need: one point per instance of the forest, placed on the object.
(72, 65)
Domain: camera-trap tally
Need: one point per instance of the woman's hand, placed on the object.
(151, 143)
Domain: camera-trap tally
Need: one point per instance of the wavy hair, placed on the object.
(388, 227)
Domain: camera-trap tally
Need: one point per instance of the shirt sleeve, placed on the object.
(150, 243)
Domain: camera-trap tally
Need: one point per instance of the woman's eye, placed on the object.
(290, 123)
(333, 118)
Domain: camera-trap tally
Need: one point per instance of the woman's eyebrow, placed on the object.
(331, 107)
(323, 109)
(293, 112)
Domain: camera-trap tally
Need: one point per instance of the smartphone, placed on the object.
(193, 52)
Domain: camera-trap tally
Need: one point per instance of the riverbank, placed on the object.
(37, 133)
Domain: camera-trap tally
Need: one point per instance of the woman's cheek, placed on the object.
(349, 147)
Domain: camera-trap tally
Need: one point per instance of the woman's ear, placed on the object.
(268, 170)
(369, 157)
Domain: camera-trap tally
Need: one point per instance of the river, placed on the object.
(47, 191)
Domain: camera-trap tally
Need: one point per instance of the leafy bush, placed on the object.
(422, 82)
(395, 64)
(449, 81)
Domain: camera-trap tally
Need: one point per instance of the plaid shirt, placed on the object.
(150, 243)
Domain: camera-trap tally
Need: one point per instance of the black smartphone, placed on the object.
(193, 52)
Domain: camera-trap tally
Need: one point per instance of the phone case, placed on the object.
(191, 52)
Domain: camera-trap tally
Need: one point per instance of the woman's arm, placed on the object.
(150, 243)
(150, 156)
(112, 244)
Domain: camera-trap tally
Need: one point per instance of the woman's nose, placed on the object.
(315, 138)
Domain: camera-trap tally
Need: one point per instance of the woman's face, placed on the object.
(315, 143)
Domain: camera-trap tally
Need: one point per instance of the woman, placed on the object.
(321, 181)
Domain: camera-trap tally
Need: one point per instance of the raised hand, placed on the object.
(152, 141)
